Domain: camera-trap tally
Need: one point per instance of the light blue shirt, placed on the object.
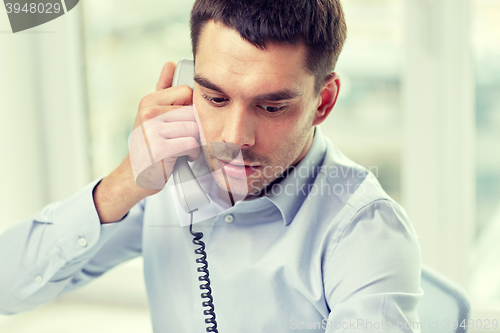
(325, 249)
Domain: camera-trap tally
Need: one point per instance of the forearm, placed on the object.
(42, 253)
(117, 193)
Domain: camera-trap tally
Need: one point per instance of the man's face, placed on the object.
(260, 100)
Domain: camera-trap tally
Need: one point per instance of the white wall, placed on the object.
(45, 158)
(438, 183)
(43, 132)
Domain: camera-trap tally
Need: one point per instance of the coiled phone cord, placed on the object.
(204, 286)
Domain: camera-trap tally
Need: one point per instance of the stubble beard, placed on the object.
(270, 170)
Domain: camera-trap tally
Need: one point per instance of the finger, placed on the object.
(179, 129)
(160, 134)
(179, 95)
(174, 148)
(192, 153)
(155, 114)
(166, 76)
(164, 114)
(181, 114)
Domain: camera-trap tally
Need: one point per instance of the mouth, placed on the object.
(237, 169)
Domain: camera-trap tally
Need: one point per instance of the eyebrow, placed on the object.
(272, 97)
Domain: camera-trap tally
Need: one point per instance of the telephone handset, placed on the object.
(193, 198)
(191, 195)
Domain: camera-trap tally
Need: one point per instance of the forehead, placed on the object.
(224, 57)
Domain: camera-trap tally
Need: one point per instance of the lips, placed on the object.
(237, 170)
(234, 163)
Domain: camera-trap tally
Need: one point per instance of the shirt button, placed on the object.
(82, 241)
(38, 278)
(229, 218)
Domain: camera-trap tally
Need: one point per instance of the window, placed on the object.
(125, 52)
(366, 122)
(485, 283)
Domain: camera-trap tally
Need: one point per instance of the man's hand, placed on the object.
(164, 129)
(162, 132)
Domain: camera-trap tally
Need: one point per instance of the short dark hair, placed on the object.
(319, 24)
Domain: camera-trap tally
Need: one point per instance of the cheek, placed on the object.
(294, 125)
(278, 135)
(294, 129)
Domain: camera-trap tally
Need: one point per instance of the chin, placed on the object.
(237, 186)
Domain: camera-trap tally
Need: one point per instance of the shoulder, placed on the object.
(365, 223)
(355, 190)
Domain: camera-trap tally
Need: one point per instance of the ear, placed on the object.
(327, 98)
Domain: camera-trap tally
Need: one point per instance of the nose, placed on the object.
(240, 125)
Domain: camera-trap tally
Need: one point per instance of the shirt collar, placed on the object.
(286, 193)
(290, 192)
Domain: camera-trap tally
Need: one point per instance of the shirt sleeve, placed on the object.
(372, 273)
(61, 248)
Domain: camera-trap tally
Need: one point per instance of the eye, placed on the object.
(216, 100)
(272, 108)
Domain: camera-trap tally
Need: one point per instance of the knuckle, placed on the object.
(150, 112)
(191, 142)
(144, 101)
(185, 90)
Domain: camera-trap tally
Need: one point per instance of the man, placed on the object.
(313, 243)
